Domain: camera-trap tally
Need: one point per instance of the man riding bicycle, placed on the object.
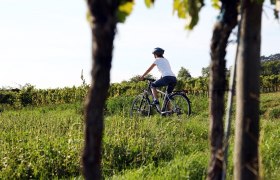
(168, 78)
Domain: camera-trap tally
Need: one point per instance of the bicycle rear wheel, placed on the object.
(140, 107)
(179, 104)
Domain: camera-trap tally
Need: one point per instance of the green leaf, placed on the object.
(216, 4)
(179, 7)
(149, 3)
(189, 10)
(127, 7)
(176, 4)
(124, 10)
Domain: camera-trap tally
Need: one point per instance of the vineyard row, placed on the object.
(29, 95)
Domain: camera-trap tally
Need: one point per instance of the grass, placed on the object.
(46, 142)
(152, 141)
(36, 143)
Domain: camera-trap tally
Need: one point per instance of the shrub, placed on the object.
(8, 97)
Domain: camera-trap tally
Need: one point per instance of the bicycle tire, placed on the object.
(140, 106)
(179, 104)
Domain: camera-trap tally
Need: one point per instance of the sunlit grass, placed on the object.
(46, 142)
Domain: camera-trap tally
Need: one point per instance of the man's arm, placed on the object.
(148, 70)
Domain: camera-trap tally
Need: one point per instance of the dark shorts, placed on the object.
(169, 81)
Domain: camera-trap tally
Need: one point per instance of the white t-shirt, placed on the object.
(164, 67)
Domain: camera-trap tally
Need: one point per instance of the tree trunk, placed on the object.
(103, 32)
(222, 29)
(246, 160)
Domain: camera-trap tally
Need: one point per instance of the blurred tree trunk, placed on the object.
(246, 161)
(227, 20)
(103, 31)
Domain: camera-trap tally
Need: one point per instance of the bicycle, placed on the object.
(174, 103)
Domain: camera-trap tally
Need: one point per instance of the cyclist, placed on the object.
(167, 76)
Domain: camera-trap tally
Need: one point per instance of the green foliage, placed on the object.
(127, 88)
(270, 148)
(124, 10)
(149, 3)
(30, 96)
(39, 144)
(186, 167)
(119, 105)
(26, 94)
(8, 97)
(189, 10)
(270, 83)
(199, 105)
(205, 71)
(45, 142)
(138, 143)
(183, 74)
(216, 4)
(270, 106)
(135, 78)
(275, 113)
(269, 68)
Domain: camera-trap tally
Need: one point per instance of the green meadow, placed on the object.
(46, 142)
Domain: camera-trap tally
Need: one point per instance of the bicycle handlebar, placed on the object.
(150, 79)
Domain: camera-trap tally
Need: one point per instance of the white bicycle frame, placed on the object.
(160, 110)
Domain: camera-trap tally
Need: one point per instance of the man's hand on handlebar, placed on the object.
(141, 78)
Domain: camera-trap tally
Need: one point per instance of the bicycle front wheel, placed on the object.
(178, 104)
(140, 107)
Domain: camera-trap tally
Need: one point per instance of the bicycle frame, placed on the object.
(165, 98)
(175, 102)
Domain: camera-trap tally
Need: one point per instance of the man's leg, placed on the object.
(155, 93)
(156, 84)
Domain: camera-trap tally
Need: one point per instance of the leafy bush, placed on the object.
(8, 97)
(26, 95)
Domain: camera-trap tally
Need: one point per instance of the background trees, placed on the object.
(270, 67)
(183, 74)
(205, 72)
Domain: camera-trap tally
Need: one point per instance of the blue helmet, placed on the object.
(158, 51)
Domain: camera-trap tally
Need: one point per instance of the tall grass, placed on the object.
(46, 142)
(40, 143)
(152, 141)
